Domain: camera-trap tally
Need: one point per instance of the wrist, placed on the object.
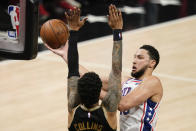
(64, 57)
(117, 34)
(70, 31)
(73, 34)
(74, 28)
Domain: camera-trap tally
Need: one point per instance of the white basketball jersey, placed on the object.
(140, 118)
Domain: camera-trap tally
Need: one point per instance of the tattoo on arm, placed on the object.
(112, 99)
(73, 72)
(72, 93)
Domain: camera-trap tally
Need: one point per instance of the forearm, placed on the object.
(73, 58)
(82, 69)
(73, 72)
(117, 52)
(150, 87)
(127, 103)
(111, 100)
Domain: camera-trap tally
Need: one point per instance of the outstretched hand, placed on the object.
(73, 19)
(62, 51)
(115, 20)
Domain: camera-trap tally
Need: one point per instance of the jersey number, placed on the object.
(124, 112)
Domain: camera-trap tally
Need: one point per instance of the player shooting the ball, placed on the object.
(84, 111)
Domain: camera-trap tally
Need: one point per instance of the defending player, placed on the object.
(83, 93)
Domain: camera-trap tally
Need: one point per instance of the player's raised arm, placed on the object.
(75, 24)
(111, 100)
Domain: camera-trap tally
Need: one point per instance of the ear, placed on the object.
(152, 64)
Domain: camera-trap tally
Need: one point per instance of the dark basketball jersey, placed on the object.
(89, 120)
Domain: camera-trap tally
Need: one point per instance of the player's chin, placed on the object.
(133, 71)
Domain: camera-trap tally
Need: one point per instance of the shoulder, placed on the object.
(71, 115)
(154, 80)
(153, 83)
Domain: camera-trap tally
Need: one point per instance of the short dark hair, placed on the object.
(89, 88)
(153, 53)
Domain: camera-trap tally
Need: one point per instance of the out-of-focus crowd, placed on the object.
(155, 11)
(137, 13)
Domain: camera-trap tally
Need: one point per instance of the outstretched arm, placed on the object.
(75, 24)
(73, 71)
(111, 100)
(71, 58)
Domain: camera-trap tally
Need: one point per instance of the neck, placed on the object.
(146, 74)
(94, 105)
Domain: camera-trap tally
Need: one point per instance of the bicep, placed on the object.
(140, 94)
(136, 97)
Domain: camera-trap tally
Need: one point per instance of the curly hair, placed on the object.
(89, 88)
(153, 53)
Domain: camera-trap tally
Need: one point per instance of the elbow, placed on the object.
(120, 108)
(123, 106)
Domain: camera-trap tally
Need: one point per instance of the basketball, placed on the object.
(54, 33)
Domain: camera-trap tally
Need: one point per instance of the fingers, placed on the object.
(119, 15)
(114, 12)
(73, 12)
(115, 17)
(78, 12)
(67, 16)
(84, 20)
(53, 50)
(73, 18)
(108, 16)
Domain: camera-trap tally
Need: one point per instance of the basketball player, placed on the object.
(84, 112)
(141, 93)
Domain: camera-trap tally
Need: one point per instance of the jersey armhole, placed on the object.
(111, 118)
(71, 116)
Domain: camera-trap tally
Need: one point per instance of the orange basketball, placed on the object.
(55, 33)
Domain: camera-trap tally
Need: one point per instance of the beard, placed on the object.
(139, 73)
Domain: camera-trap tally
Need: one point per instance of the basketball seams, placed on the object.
(45, 32)
(54, 33)
(65, 30)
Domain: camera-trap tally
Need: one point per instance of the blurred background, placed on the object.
(136, 13)
(33, 93)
